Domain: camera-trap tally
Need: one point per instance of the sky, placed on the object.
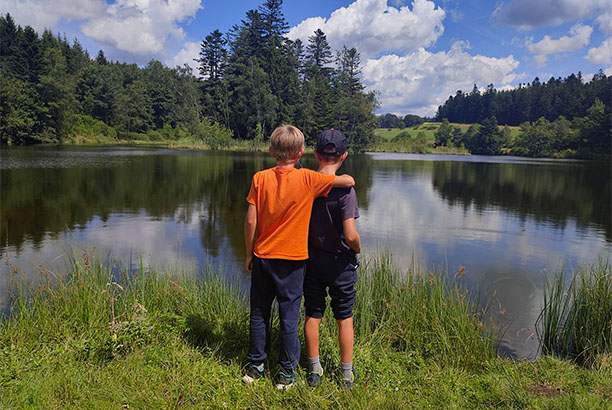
(414, 54)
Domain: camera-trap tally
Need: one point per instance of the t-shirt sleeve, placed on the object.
(320, 184)
(252, 196)
(348, 205)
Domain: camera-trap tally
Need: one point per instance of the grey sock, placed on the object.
(347, 370)
(314, 365)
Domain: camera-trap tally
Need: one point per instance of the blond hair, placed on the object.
(286, 142)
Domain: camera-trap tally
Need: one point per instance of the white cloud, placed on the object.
(189, 52)
(580, 36)
(527, 14)
(605, 22)
(41, 14)
(374, 27)
(601, 54)
(141, 27)
(420, 81)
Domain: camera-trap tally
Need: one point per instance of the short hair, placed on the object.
(286, 142)
(330, 158)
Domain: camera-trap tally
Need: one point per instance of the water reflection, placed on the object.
(508, 221)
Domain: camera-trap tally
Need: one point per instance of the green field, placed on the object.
(161, 339)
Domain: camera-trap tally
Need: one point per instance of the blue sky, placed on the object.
(414, 53)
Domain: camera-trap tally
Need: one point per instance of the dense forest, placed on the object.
(569, 97)
(251, 79)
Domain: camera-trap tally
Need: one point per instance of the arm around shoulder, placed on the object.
(344, 181)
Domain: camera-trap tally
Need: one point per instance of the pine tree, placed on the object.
(213, 56)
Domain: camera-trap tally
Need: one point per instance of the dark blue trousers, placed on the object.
(281, 279)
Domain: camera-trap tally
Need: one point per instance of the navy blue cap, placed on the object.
(331, 142)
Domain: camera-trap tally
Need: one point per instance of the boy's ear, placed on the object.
(300, 154)
(270, 151)
(343, 156)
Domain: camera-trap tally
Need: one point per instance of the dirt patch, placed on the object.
(544, 390)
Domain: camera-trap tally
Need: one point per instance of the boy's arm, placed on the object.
(250, 225)
(344, 181)
(351, 236)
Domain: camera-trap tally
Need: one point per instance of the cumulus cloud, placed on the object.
(580, 36)
(41, 14)
(605, 22)
(528, 14)
(373, 27)
(141, 27)
(420, 81)
(187, 55)
(601, 54)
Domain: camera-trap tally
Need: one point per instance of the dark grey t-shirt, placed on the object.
(326, 232)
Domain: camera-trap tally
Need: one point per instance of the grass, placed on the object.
(410, 142)
(102, 337)
(387, 141)
(576, 320)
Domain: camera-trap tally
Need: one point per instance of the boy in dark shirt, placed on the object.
(333, 243)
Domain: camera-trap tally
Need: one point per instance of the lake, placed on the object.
(508, 221)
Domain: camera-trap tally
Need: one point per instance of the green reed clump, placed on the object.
(576, 317)
(430, 314)
(102, 310)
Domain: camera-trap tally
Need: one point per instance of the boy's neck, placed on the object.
(287, 164)
(328, 169)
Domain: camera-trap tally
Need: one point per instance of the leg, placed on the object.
(311, 336)
(346, 339)
(342, 294)
(262, 296)
(289, 281)
(314, 306)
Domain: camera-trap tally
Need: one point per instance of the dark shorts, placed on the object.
(336, 272)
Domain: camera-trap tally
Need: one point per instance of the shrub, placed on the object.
(86, 126)
(213, 134)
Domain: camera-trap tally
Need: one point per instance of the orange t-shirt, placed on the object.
(283, 197)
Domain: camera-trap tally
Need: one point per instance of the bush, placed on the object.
(213, 134)
(86, 126)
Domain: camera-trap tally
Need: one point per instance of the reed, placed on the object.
(430, 313)
(576, 317)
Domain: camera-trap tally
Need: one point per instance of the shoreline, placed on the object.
(248, 146)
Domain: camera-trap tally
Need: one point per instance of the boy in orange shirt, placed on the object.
(276, 235)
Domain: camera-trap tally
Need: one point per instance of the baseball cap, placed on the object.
(331, 142)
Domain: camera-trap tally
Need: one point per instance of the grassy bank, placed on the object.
(418, 140)
(102, 338)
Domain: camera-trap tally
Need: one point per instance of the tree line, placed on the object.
(561, 118)
(569, 97)
(251, 80)
(583, 137)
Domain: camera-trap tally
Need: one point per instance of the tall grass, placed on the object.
(431, 314)
(103, 336)
(576, 317)
(110, 310)
(101, 310)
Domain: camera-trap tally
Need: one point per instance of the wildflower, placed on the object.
(462, 270)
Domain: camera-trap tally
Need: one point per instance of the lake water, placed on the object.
(508, 221)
